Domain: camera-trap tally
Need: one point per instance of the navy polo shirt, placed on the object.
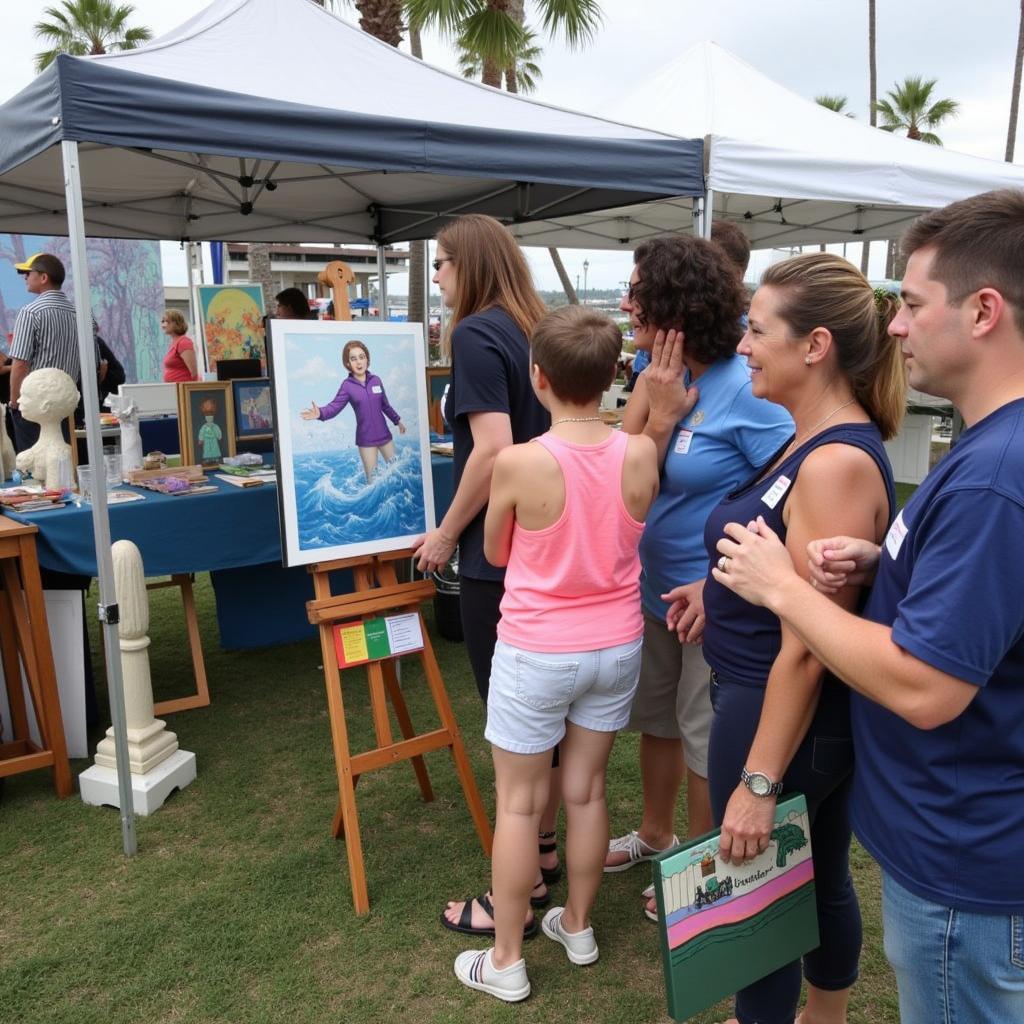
(490, 373)
(942, 810)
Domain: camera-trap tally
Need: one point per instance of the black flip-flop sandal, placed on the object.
(465, 922)
(550, 875)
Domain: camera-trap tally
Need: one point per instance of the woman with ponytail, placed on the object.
(818, 345)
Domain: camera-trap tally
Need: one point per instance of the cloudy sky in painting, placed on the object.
(810, 46)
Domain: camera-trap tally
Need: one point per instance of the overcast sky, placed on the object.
(810, 46)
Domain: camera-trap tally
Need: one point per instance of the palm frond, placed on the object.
(577, 20)
(836, 103)
(930, 137)
(494, 36)
(446, 16)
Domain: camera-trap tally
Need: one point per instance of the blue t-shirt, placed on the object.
(741, 640)
(728, 434)
(942, 810)
(490, 373)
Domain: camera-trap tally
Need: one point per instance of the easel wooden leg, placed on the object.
(405, 724)
(201, 698)
(346, 820)
(51, 724)
(12, 669)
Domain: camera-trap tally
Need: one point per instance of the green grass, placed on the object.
(237, 907)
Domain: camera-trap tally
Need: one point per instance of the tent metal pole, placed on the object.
(709, 212)
(382, 288)
(100, 519)
(193, 308)
(698, 216)
(427, 275)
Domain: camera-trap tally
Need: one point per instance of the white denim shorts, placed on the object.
(533, 693)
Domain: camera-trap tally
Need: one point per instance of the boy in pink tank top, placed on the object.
(565, 516)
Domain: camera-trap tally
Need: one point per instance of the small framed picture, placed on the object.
(206, 422)
(254, 408)
(438, 378)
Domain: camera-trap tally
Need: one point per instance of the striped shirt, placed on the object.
(45, 334)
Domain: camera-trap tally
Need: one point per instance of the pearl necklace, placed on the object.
(576, 419)
(820, 422)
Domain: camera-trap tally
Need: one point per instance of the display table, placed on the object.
(232, 532)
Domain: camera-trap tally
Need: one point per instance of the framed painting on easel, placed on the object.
(352, 438)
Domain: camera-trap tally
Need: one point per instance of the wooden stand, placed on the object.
(377, 591)
(25, 641)
(201, 698)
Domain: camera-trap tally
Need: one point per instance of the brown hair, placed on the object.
(578, 350)
(177, 322)
(349, 345)
(978, 244)
(822, 290)
(491, 272)
(688, 283)
(48, 264)
(733, 242)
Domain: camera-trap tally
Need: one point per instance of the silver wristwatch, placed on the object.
(759, 784)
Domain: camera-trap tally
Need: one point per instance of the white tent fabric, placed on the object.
(787, 169)
(273, 120)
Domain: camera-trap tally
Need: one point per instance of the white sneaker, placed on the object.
(476, 970)
(580, 947)
(636, 850)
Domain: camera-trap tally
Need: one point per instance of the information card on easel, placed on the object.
(374, 639)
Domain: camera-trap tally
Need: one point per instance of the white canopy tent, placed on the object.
(235, 126)
(788, 170)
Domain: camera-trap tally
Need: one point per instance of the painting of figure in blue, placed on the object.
(353, 442)
(364, 392)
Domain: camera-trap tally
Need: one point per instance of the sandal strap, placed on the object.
(546, 842)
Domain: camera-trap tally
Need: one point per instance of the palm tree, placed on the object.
(910, 108)
(493, 29)
(1011, 134)
(87, 27)
(523, 74)
(836, 103)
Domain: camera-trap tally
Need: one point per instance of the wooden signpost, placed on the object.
(378, 593)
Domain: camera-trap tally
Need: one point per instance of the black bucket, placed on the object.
(446, 600)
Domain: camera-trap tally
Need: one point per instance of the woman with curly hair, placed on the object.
(685, 302)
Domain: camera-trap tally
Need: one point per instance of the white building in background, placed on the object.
(297, 266)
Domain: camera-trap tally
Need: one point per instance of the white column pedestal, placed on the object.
(98, 785)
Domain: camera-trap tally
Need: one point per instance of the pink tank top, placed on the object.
(574, 586)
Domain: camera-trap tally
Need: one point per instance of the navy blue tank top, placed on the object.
(741, 640)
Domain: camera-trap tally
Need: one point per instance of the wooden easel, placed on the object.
(25, 641)
(201, 698)
(378, 591)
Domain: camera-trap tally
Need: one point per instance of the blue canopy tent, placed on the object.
(349, 141)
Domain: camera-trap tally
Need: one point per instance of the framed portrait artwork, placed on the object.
(254, 408)
(352, 437)
(206, 422)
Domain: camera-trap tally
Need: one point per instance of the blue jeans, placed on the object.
(953, 967)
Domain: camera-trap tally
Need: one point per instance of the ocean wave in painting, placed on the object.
(336, 504)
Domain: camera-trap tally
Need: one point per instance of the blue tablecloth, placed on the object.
(232, 532)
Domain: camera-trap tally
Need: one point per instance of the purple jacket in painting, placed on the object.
(370, 405)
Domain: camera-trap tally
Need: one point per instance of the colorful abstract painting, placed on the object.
(127, 292)
(231, 321)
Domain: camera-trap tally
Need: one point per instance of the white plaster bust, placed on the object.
(47, 397)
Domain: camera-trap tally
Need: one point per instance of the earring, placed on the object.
(807, 360)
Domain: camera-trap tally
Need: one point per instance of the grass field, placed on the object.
(237, 907)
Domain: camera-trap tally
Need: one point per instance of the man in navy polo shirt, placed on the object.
(937, 661)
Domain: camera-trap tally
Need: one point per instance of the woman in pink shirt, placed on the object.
(565, 516)
(180, 360)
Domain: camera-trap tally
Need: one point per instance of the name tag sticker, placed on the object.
(376, 389)
(774, 494)
(683, 441)
(895, 537)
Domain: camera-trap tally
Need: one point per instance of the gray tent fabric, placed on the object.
(168, 152)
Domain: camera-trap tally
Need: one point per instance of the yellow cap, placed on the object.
(24, 268)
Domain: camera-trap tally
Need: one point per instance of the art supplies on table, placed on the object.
(250, 480)
(443, 448)
(726, 925)
(122, 497)
(19, 497)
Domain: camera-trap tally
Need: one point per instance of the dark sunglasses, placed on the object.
(444, 259)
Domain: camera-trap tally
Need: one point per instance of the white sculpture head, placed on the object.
(48, 396)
